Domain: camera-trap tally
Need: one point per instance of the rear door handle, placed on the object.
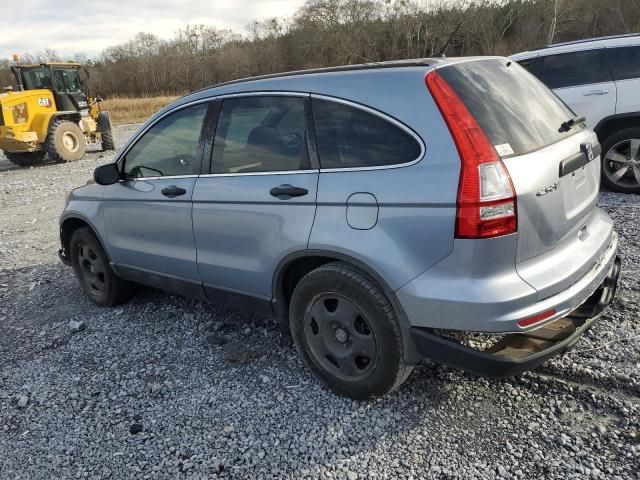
(173, 191)
(596, 92)
(286, 191)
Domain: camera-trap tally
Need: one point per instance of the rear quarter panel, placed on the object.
(416, 216)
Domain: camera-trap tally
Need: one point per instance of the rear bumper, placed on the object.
(472, 291)
(519, 352)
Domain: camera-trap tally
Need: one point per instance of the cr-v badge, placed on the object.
(548, 189)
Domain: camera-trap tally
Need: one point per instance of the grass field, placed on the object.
(134, 110)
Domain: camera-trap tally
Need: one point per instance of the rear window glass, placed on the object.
(625, 62)
(349, 137)
(515, 110)
(576, 68)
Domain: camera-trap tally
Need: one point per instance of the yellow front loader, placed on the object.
(50, 114)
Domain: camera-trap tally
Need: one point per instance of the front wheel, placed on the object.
(347, 333)
(621, 161)
(91, 265)
(65, 142)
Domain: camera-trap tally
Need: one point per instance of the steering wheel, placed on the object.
(136, 172)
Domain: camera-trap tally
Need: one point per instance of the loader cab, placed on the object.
(63, 79)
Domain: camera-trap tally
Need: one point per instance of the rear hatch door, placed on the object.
(555, 169)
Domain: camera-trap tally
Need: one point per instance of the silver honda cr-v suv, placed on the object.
(389, 212)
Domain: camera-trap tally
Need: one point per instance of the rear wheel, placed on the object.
(92, 268)
(347, 332)
(25, 159)
(65, 142)
(621, 161)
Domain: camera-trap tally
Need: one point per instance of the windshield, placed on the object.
(35, 78)
(67, 80)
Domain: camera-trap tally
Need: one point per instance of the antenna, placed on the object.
(446, 44)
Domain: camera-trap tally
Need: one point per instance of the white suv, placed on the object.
(600, 80)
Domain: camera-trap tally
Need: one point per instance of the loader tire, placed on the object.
(108, 143)
(65, 142)
(25, 159)
(104, 126)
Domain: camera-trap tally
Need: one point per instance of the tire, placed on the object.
(106, 132)
(91, 266)
(356, 349)
(620, 146)
(108, 143)
(65, 142)
(26, 159)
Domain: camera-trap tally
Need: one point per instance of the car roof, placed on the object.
(382, 86)
(325, 81)
(248, 82)
(578, 45)
(415, 62)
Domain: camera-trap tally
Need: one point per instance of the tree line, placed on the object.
(335, 32)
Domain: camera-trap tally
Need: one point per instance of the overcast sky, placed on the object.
(89, 26)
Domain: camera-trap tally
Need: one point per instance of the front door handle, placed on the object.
(286, 191)
(596, 92)
(173, 191)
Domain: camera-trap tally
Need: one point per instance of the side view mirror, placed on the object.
(106, 174)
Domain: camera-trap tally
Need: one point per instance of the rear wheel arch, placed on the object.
(298, 264)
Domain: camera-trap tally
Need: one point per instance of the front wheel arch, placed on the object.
(60, 116)
(71, 224)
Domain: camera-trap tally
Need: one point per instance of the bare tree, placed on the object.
(332, 32)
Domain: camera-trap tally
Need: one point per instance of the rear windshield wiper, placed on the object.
(568, 125)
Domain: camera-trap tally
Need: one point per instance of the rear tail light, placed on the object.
(486, 204)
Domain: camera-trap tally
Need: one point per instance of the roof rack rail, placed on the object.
(594, 39)
(417, 62)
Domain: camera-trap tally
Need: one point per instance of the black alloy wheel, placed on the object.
(92, 268)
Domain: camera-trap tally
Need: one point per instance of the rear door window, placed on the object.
(575, 68)
(625, 62)
(350, 137)
(514, 109)
(260, 134)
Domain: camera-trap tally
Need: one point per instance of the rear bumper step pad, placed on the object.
(519, 352)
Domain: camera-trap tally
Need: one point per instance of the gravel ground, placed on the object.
(166, 387)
